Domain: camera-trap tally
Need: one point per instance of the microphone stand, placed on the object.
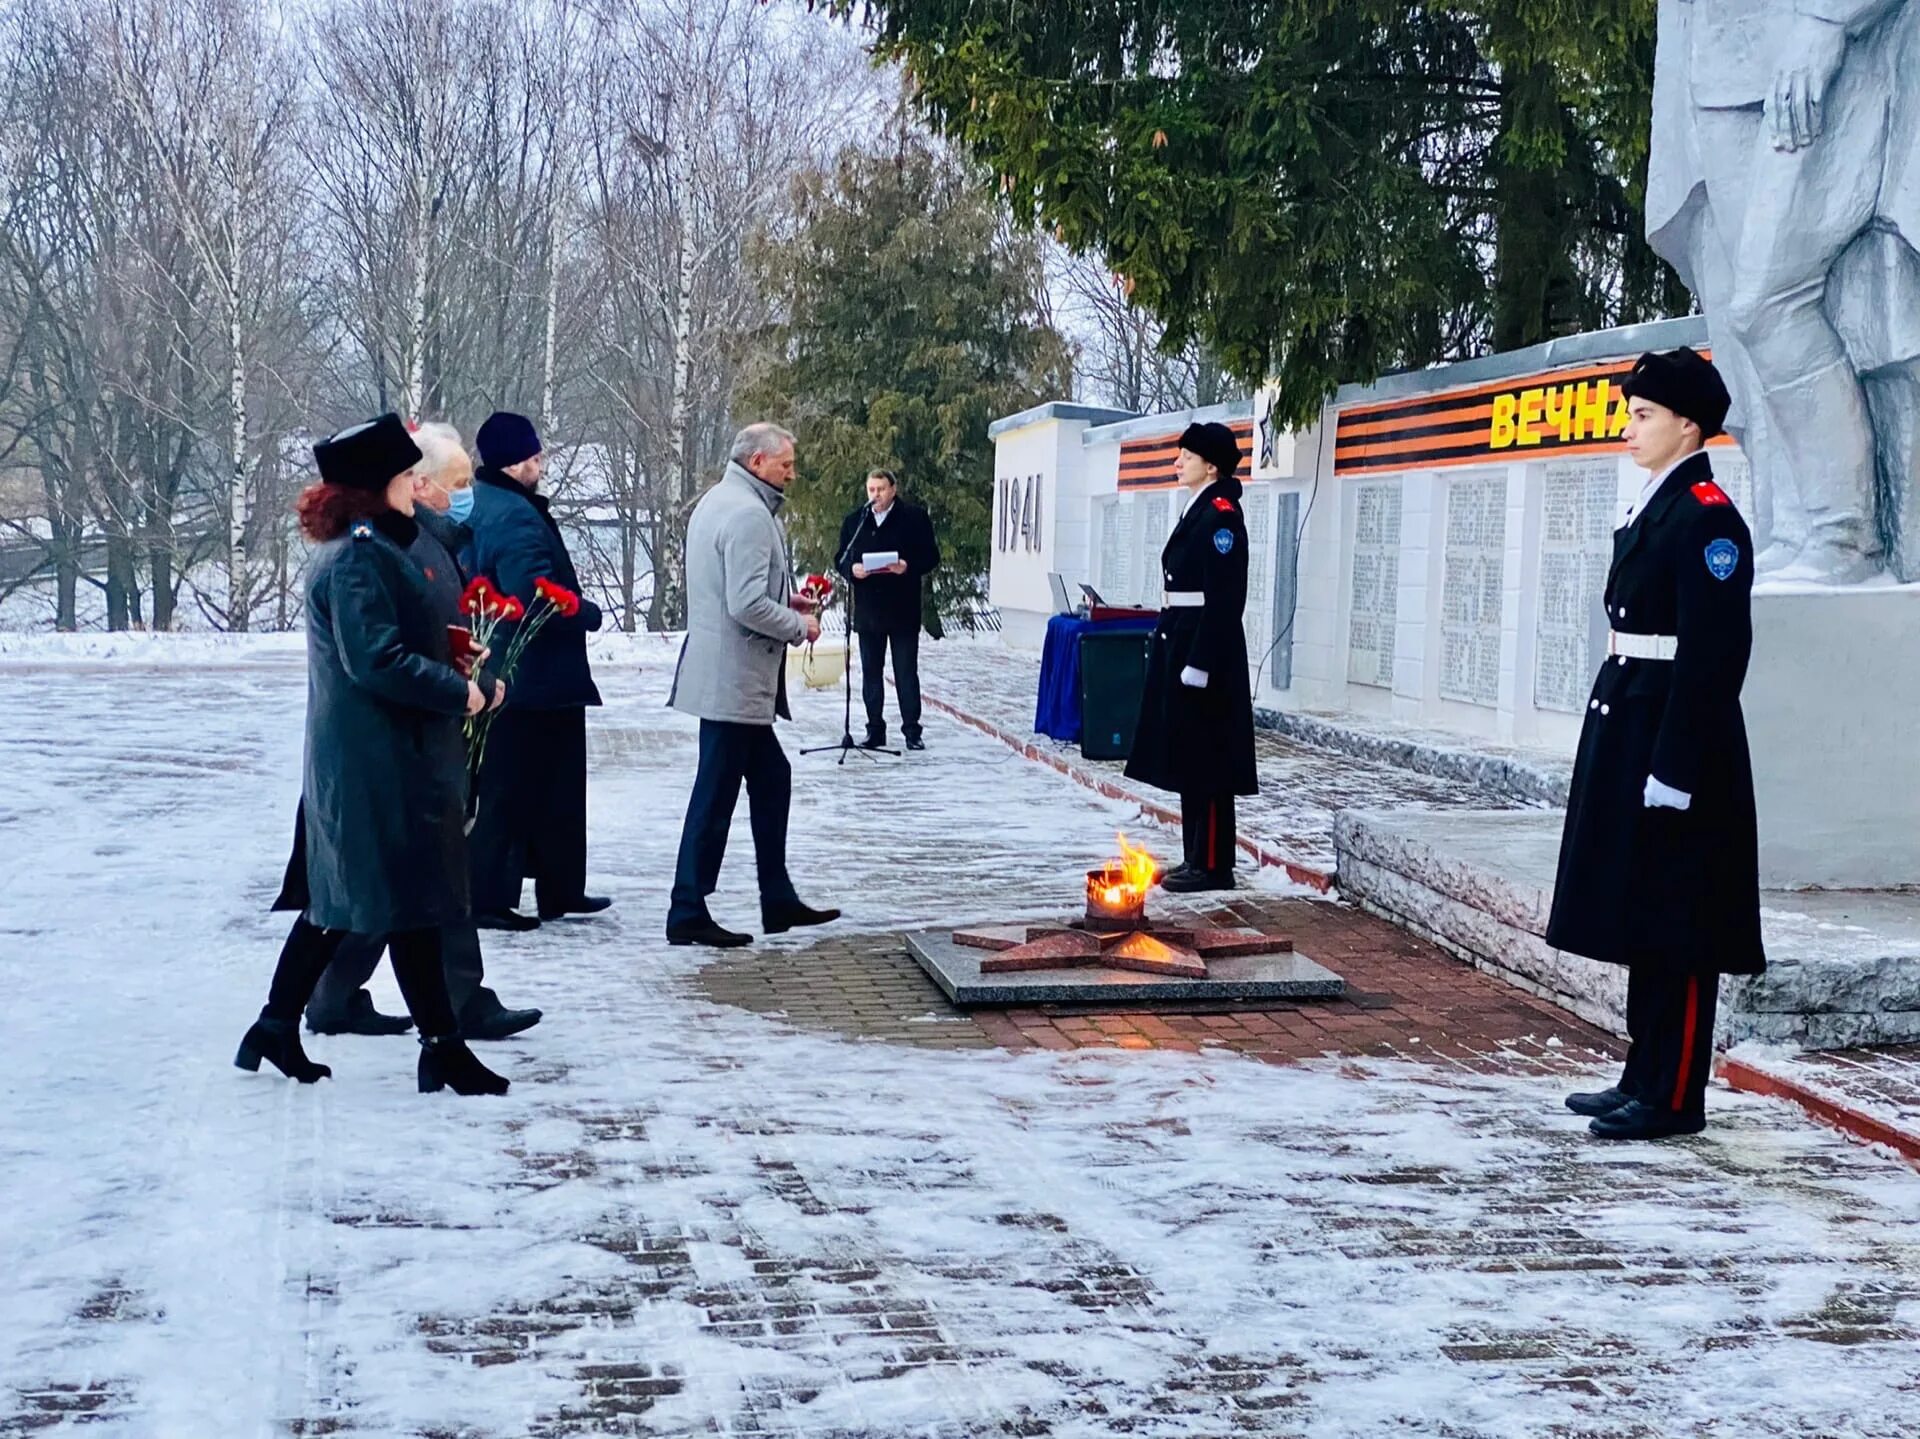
(846, 745)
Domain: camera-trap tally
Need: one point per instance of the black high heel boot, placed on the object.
(278, 1042)
(445, 1061)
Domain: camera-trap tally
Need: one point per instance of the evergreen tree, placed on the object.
(909, 318)
(1319, 191)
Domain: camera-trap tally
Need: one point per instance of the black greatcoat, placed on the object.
(433, 550)
(383, 802)
(1675, 888)
(1200, 741)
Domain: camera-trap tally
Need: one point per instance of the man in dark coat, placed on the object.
(532, 815)
(1195, 735)
(885, 599)
(340, 1004)
(1659, 861)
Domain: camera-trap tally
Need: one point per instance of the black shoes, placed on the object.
(1634, 1120)
(1188, 880)
(498, 1022)
(794, 916)
(705, 931)
(915, 742)
(361, 1018)
(447, 1063)
(1599, 1102)
(874, 741)
(586, 904)
(278, 1042)
(510, 920)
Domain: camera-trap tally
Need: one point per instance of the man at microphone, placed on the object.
(886, 550)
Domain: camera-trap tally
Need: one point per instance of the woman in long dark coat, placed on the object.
(1195, 735)
(384, 794)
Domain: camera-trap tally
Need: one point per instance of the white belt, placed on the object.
(1185, 599)
(1643, 647)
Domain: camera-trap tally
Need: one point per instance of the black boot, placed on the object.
(446, 1061)
(1597, 1102)
(278, 1042)
(1188, 880)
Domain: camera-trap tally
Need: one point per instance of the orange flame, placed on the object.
(1143, 871)
(1124, 882)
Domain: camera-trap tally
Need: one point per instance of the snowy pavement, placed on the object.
(690, 1218)
(1301, 787)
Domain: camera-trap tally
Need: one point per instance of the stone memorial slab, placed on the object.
(956, 968)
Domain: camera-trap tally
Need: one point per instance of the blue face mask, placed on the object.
(462, 505)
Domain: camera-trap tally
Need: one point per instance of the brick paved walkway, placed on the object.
(1406, 999)
(1873, 1094)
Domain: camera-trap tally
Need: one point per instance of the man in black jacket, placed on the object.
(533, 780)
(885, 603)
(1659, 861)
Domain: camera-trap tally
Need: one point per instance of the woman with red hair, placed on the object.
(384, 797)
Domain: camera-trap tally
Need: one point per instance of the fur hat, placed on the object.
(1213, 443)
(1686, 383)
(367, 457)
(506, 439)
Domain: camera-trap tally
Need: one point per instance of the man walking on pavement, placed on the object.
(885, 600)
(1659, 860)
(742, 613)
(532, 817)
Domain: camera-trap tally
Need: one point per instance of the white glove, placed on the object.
(1665, 796)
(1193, 678)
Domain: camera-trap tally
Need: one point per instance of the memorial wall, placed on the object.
(1433, 550)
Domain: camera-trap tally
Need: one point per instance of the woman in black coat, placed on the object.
(384, 794)
(1195, 735)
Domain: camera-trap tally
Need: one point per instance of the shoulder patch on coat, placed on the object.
(1223, 504)
(1722, 556)
(1223, 541)
(362, 530)
(1708, 493)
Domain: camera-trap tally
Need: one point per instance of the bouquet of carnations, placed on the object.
(818, 589)
(486, 609)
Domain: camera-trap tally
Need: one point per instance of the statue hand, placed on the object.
(1811, 55)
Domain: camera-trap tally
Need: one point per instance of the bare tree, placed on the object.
(1121, 358)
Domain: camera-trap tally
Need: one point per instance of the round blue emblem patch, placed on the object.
(1223, 541)
(1722, 557)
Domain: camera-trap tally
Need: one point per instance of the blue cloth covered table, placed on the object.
(1056, 712)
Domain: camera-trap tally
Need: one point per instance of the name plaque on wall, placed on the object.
(1472, 580)
(1375, 597)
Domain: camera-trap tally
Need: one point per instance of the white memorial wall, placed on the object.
(1446, 539)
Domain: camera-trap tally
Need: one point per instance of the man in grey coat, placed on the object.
(742, 613)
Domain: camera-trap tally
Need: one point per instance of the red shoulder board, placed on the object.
(1223, 504)
(1708, 493)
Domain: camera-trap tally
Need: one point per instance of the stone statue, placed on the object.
(1785, 189)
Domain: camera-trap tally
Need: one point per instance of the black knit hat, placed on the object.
(1686, 383)
(1213, 443)
(506, 439)
(367, 457)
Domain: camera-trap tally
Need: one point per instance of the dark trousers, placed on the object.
(358, 955)
(416, 964)
(1208, 832)
(905, 644)
(532, 819)
(1670, 1026)
(732, 755)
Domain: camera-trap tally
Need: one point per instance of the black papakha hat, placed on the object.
(506, 439)
(1213, 443)
(1686, 383)
(367, 457)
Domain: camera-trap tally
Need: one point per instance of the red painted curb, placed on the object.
(1855, 1122)
(1100, 784)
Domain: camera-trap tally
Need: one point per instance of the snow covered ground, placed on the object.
(691, 1219)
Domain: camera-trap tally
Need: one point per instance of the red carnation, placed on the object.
(508, 608)
(478, 596)
(559, 596)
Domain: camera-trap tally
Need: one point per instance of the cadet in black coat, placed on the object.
(532, 817)
(1195, 735)
(1659, 861)
(886, 601)
(383, 799)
